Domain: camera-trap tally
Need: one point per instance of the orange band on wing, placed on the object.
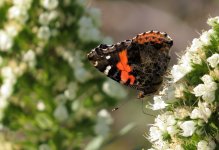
(123, 66)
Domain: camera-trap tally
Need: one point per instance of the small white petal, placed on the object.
(207, 79)
(49, 4)
(179, 71)
(209, 97)
(158, 103)
(207, 144)
(196, 44)
(154, 134)
(188, 128)
(213, 60)
(18, 13)
(199, 90)
(213, 21)
(5, 41)
(205, 37)
(172, 130)
(41, 106)
(44, 33)
(202, 145)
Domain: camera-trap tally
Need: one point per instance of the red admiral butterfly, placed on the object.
(140, 62)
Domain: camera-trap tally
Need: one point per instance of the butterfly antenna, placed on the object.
(142, 108)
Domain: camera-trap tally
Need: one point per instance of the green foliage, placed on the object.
(54, 99)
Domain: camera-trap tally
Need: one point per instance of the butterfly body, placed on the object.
(140, 62)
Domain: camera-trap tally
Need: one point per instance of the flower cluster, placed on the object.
(17, 16)
(191, 101)
(46, 83)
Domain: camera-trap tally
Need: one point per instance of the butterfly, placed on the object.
(140, 62)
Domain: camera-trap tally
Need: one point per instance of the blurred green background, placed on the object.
(51, 98)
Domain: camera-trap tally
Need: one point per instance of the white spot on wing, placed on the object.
(108, 57)
(96, 63)
(106, 71)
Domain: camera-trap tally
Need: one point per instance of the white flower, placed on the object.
(158, 103)
(105, 115)
(206, 90)
(112, 89)
(172, 130)
(211, 143)
(188, 128)
(71, 91)
(88, 31)
(154, 134)
(44, 33)
(44, 18)
(213, 21)
(61, 113)
(207, 79)
(196, 45)
(7, 72)
(53, 15)
(213, 60)
(205, 37)
(104, 121)
(164, 121)
(18, 14)
(30, 58)
(179, 71)
(24, 4)
(204, 145)
(75, 106)
(41, 106)
(81, 74)
(178, 147)
(3, 104)
(6, 90)
(202, 111)
(5, 41)
(161, 145)
(49, 4)
(89, 34)
(12, 29)
(95, 143)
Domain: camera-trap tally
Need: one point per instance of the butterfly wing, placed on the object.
(106, 57)
(139, 63)
(149, 58)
